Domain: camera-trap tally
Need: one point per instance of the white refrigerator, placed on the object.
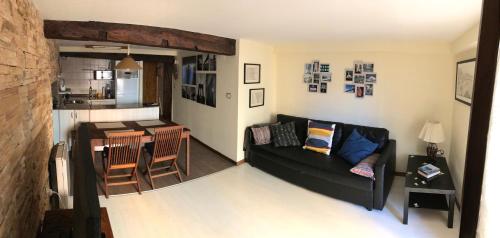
(128, 86)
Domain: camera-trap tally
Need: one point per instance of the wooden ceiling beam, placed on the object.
(139, 35)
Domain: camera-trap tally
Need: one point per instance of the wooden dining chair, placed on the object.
(122, 154)
(163, 152)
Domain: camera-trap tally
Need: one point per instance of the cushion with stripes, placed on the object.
(319, 137)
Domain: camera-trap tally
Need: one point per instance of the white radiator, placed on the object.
(63, 172)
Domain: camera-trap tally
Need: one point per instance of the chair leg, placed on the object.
(150, 177)
(134, 174)
(106, 186)
(177, 170)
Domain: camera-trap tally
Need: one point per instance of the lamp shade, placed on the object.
(128, 63)
(432, 132)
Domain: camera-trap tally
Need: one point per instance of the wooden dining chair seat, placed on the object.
(122, 153)
(164, 151)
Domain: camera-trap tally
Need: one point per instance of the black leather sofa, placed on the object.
(327, 174)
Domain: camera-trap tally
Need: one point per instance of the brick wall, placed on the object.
(28, 65)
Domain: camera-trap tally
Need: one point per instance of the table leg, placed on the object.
(405, 207)
(451, 209)
(187, 154)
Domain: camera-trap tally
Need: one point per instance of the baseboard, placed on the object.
(217, 152)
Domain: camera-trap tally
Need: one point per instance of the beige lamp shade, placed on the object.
(128, 63)
(432, 132)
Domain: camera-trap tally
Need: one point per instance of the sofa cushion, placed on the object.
(301, 126)
(319, 137)
(374, 134)
(284, 135)
(356, 148)
(334, 169)
(365, 167)
(261, 135)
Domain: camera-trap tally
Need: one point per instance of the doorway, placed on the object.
(157, 86)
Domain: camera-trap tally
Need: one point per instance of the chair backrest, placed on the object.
(124, 148)
(167, 141)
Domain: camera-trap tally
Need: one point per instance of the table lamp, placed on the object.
(432, 133)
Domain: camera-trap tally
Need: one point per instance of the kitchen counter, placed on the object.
(97, 107)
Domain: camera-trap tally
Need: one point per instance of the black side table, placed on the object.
(439, 193)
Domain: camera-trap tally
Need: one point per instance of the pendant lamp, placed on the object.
(128, 63)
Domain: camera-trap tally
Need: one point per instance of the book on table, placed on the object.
(428, 170)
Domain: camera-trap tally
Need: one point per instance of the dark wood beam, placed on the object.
(482, 98)
(139, 35)
(119, 56)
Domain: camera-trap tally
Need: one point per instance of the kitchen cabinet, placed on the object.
(126, 114)
(69, 120)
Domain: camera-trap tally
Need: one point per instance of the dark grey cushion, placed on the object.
(284, 135)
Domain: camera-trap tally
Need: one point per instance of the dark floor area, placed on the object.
(204, 161)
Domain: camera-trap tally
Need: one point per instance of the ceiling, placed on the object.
(283, 20)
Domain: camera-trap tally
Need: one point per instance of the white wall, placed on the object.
(463, 48)
(415, 84)
(263, 54)
(222, 128)
(215, 127)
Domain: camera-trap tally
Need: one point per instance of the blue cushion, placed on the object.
(356, 148)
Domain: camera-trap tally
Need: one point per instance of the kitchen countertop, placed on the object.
(96, 107)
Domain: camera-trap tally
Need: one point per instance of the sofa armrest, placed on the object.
(384, 174)
(247, 141)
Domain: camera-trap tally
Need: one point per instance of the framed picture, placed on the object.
(316, 78)
(369, 89)
(360, 91)
(326, 77)
(313, 88)
(349, 88)
(256, 97)
(308, 69)
(359, 78)
(316, 66)
(323, 87)
(368, 67)
(349, 74)
(358, 67)
(465, 81)
(308, 78)
(251, 73)
(324, 68)
(371, 77)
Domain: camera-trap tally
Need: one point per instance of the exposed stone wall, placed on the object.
(28, 65)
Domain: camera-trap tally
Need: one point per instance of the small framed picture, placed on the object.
(257, 97)
(369, 89)
(349, 75)
(465, 81)
(316, 66)
(251, 73)
(360, 91)
(308, 78)
(324, 68)
(349, 88)
(308, 69)
(358, 67)
(313, 88)
(359, 79)
(323, 87)
(368, 67)
(371, 77)
(316, 78)
(326, 77)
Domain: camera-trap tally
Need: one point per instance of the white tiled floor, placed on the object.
(243, 201)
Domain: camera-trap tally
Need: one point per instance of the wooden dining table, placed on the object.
(98, 136)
